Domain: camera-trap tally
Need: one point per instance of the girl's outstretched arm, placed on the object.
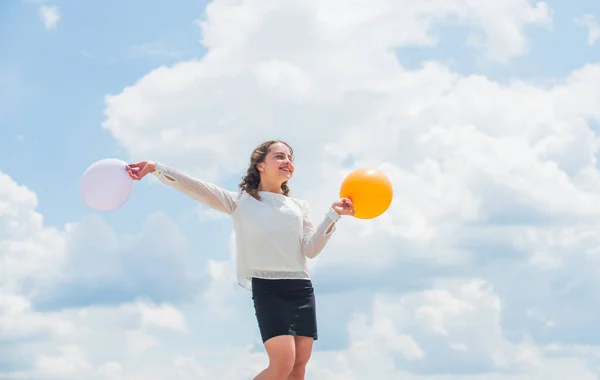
(205, 192)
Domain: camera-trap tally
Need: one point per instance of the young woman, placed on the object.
(274, 237)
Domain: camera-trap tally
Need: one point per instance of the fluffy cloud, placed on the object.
(589, 22)
(453, 328)
(86, 343)
(102, 267)
(31, 254)
(46, 333)
(255, 83)
(50, 15)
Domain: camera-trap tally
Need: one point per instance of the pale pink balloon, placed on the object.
(106, 185)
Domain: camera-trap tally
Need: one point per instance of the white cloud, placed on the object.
(313, 68)
(29, 251)
(102, 266)
(457, 326)
(165, 317)
(589, 21)
(67, 364)
(73, 343)
(65, 339)
(50, 15)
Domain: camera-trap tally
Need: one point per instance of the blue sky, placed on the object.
(492, 232)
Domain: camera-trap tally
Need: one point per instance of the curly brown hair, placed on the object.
(251, 180)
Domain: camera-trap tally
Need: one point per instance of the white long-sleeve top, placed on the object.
(274, 236)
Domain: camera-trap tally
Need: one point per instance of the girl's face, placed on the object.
(278, 164)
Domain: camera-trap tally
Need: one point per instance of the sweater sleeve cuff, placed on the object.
(158, 169)
(332, 215)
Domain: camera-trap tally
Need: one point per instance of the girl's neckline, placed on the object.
(263, 192)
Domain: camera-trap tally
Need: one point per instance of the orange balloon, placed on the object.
(369, 190)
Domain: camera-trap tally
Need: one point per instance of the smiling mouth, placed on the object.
(285, 170)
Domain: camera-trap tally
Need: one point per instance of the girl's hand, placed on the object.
(343, 207)
(139, 170)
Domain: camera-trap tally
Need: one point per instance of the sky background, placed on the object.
(483, 114)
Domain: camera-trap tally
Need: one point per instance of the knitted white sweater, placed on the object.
(274, 236)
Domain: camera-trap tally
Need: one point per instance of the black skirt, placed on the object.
(284, 307)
